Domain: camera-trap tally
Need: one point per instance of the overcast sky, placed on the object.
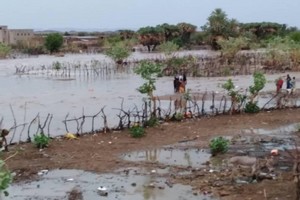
(133, 14)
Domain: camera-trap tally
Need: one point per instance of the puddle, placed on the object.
(132, 185)
(281, 131)
(188, 157)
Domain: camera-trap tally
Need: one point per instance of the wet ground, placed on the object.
(170, 154)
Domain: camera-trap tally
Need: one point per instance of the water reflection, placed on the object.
(181, 157)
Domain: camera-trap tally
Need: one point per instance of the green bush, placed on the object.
(153, 121)
(4, 50)
(137, 131)
(54, 42)
(5, 178)
(218, 145)
(252, 107)
(41, 140)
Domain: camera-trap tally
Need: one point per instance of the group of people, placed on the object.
(179, 83)
(290, 84)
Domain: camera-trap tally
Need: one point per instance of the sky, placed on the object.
(134, 14)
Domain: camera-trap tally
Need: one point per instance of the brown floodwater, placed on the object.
(44, 92)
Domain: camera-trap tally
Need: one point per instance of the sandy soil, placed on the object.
(101, 152)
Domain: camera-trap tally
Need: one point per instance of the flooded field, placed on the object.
(30, 94)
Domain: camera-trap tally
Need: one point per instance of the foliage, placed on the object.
(41, 140)
(264, 30)
(168, 48)
(187, 95)
(153, 121)
(186, 31)
(170, 31)
(56, 66)
(54, 42)
(151, 37)
(259, 83)
(251, 107)
(137, 131)
(295, 36)
(4, 50)
(5, 177)
(118, 52)
(178, 116)
(149, 71)
(219, 26)
(126, 34)
(218, 145)
(236, 96)
(230, 47)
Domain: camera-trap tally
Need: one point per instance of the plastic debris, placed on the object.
(102, 191)
(274, 152)
(42, 172)
(70, 136)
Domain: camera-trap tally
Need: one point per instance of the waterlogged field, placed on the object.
(44, 91)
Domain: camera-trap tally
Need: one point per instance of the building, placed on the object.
(13, 36)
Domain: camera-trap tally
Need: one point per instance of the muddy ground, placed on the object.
(101, 153)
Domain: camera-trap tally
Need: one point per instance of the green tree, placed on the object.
(231, 46)
(219, 26)
(170, 31)
(295, 36)
(259, 83)
(4, 50)
(149, 71)
(118, 52)
(151, 37)
(186, 31)
(54, 42)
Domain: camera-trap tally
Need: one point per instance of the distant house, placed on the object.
(12, 36)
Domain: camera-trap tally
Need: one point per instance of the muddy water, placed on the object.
(48, 94)
(127, 185)
(189, 157)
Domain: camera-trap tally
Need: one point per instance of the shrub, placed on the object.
(153, 121)
(218, 145)
(41, 140)
(118, 52)
(137, 131)
(4, 50)
(54, 42)
(5, 178)
(252, 107)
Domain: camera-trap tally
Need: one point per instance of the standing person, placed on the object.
(176, 84)
(293, 85)
(288, 82)
(279, 85)
(182, 83)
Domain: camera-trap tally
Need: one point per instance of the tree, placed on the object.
(170, 31)
(126, 34)
(149, 71)
(151, 37)
(54, 42)
(219, 26)
(259, 83)
(186, 31)
(118, 52)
